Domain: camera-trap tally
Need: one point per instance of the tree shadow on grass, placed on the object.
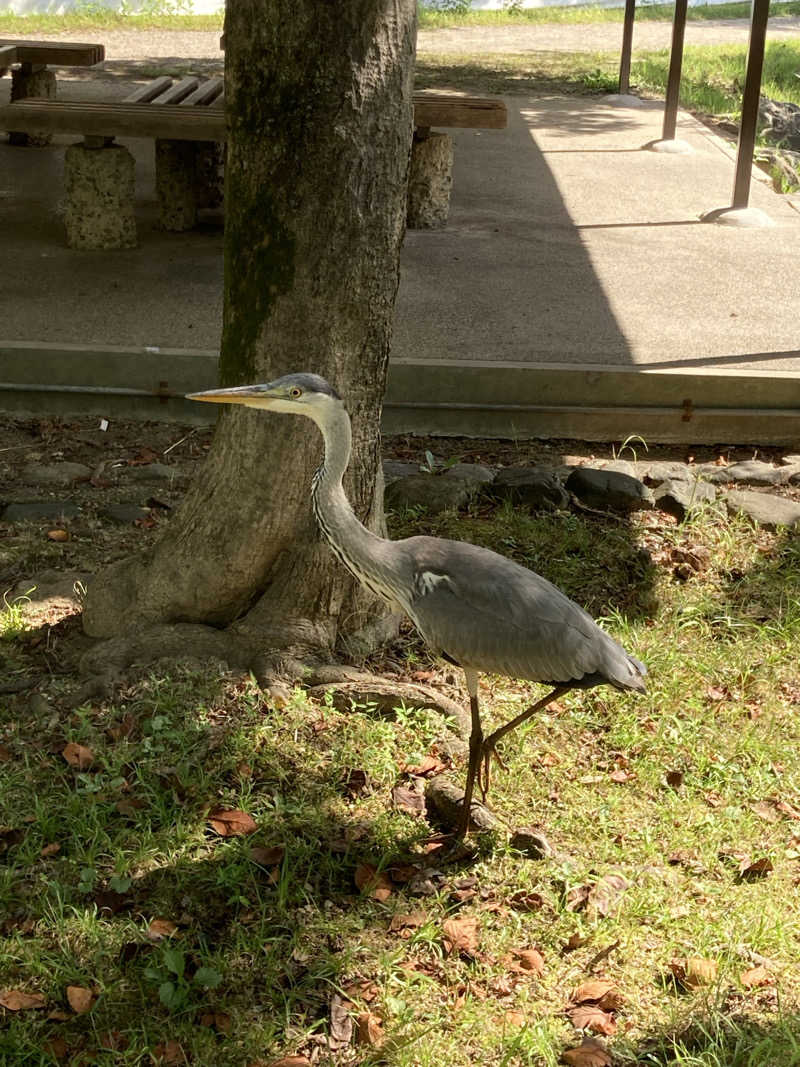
(750, 1032)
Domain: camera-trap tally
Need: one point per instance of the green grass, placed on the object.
(268, 947)
(430, 18)
(712, 77)
(92, 16)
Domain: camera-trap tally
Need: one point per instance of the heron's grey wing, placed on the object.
(487, 612)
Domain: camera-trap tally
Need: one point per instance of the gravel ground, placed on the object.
(588, 37)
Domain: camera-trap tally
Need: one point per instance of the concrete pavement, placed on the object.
(568, 244)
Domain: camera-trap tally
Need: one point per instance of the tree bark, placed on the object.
(318, 97)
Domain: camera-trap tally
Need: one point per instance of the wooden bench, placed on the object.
(32, 78)
(186, 118)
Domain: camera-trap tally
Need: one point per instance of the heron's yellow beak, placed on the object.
(240, 394)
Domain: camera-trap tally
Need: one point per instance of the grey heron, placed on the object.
(479, 609)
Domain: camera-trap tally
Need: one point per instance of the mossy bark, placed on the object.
(320, 120)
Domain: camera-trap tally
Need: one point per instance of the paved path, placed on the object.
(578, 37)
(592, 36)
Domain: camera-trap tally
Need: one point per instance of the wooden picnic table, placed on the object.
(32, 78)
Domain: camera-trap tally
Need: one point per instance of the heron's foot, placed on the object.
(485, 773)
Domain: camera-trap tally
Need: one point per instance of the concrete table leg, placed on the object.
(210, 173)
(429, 181)
(99, 185)
(176, 184)
(26, 81)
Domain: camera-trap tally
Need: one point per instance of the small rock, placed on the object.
(658, 471)
(536, 487)
(678, 498)
(621, 466)
(394, 469)
(429, 491)
(764, 508)
(473, 473)
(154, 472)
(604, 489)
(39, 706)
(126, 513)
(56, 473)
(444, 799)
(31, 510)
(532, 843)
(749, 472)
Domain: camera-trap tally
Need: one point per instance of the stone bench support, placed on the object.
(99, 186)
(188, 177)
(430, 179)
(32, 80)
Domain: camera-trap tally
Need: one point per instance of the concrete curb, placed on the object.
(469, 398)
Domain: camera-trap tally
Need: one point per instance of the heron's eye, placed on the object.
(295, 393)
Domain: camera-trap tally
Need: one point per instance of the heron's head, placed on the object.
(298, 394)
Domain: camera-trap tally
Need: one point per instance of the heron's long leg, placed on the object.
(489, 744)
(475, 753)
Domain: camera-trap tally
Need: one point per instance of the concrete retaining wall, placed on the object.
(444, 397)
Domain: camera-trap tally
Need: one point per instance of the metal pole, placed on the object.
(752, 89)
(627, 46)
(675, 64)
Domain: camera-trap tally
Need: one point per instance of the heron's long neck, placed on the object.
(358, 548)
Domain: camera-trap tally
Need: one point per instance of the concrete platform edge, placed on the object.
(592, 402)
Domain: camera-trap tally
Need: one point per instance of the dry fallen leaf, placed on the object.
(369, 1030)
(593, 990)
(57, 535)
(231, 823)
(79, 998)
(341, 1021)
(78, 756)
(750, 870)
(604, 895)
(373, 883)
(530, 959)
(526, 901)
(50, 850)
(590, 1017)
(426, 768)
(267, 857)
(169, 1052)
(408, 800)
(755, 977)
(674, 779)
(694, 971)
(514, 1018)
(159, 929)
(218, 1020)
(406, 924)
(57, 1047)
(461, 935)
(589, 1053)
(289, 1061)
(16, 1000)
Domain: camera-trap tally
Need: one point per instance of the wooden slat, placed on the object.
(115, 120)
(58, 53)
(145, 93)
(8, 55)
(178, 92)
(441, 109)
(206, 94)
(205, 123)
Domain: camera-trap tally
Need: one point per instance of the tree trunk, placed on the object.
(318, 97)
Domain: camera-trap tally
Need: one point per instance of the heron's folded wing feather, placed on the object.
(488, 612)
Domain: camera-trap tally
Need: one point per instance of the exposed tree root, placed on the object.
(347, 685)
(446, 799)
(116, 661)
